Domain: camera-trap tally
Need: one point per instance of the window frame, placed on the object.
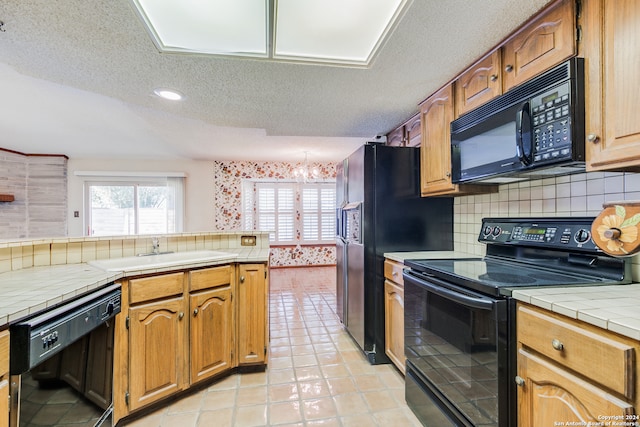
(251, 211)
(178, 183)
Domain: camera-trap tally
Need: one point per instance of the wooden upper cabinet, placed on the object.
(540, 45)
(413, 132)
(395, 138)
(407, 135)
(479, 84)
(436, 114)
(610, 39)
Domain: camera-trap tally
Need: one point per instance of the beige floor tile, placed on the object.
(335, 371)
(283, 392)
(279, 376)
(191, 403)
(284, 413)
(253, 379)
(251, 416)
(380, 400)
(350, 404)
(219, 399)
(219, 417)
(360, 420)
(252, 396)
(368, 383)
(184, 419)
(315, 409)
(308, 373)
(341, 386)
(313, 389)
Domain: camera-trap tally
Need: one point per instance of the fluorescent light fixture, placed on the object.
(170, 94)
(346, 32)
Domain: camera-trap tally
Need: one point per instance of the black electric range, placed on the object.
(460, 341)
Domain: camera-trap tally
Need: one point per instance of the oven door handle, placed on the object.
(477, 301)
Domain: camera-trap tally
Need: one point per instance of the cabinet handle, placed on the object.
(557, 344)
(195, 311)
(508, 68)
(519, 381)
(180, 315)
(448, 174)
(493, 77)
(592, 137)
(395, 273)
(241, 279)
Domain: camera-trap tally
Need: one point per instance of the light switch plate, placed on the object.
(247, 240)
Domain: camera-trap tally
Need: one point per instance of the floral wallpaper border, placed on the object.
(228, 178)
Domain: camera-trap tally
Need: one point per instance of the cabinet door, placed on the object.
(545, 42)
(211, 332)
(394, 323)
(612, 33)
(479, 84)
(73, 364)
(550, 394)
(395, 138)
(435, 152)
(252, 313)
(157, 350)
(413, 132)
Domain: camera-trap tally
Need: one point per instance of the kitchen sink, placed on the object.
(134, 263)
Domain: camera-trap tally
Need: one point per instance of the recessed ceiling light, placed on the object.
(170, 94)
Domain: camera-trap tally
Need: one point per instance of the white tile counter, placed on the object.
(30, 290)
(615, 308)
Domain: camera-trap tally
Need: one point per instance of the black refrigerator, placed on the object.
(379, 209)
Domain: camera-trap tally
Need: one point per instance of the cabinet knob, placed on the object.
(592, 137)
(493, 77)
(394, 274)
(448, 174)
(195, 311)
(519, 381)
(241, 279)
(180, 315)
(508, 68)
(557, 344)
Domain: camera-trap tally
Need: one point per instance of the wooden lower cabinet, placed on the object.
(99, 378)
(178, 329)
(570, 371)
(394, 324)
(211, 332)
(157, 351)
(551, 394)
(252, 314)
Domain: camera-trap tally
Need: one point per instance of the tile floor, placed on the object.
(316, 375)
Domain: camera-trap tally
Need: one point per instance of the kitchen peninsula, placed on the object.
(211, 285)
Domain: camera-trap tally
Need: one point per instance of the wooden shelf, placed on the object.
(6, 198)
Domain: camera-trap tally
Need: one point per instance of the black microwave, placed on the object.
(533, 131)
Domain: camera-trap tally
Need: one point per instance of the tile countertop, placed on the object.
(612, 307)
(31, 290)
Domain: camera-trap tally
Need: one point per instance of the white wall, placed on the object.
(199, 188)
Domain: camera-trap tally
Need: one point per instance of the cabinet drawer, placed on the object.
(154, 287)
(393, 271)
(601, 356)
(210, 277)
(4, 352)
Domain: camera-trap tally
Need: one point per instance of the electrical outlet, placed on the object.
(247, 240)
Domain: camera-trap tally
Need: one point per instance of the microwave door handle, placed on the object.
(524, 140)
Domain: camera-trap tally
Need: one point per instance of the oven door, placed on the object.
(458, 359)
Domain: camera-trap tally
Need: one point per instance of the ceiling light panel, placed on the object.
(346, 31)
(237, 27)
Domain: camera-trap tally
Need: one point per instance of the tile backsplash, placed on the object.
(571, 195)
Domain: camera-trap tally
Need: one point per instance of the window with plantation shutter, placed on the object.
(292, 212)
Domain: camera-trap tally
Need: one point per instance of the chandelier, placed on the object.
(304, 173)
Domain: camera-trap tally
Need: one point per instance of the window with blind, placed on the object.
(293, 213)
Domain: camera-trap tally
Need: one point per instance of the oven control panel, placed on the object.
(567, 233)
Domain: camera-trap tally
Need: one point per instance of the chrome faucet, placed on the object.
(155, 242)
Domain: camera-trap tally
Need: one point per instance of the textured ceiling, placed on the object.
(76, 78)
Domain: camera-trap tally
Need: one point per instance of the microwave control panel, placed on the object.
(551, 120)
